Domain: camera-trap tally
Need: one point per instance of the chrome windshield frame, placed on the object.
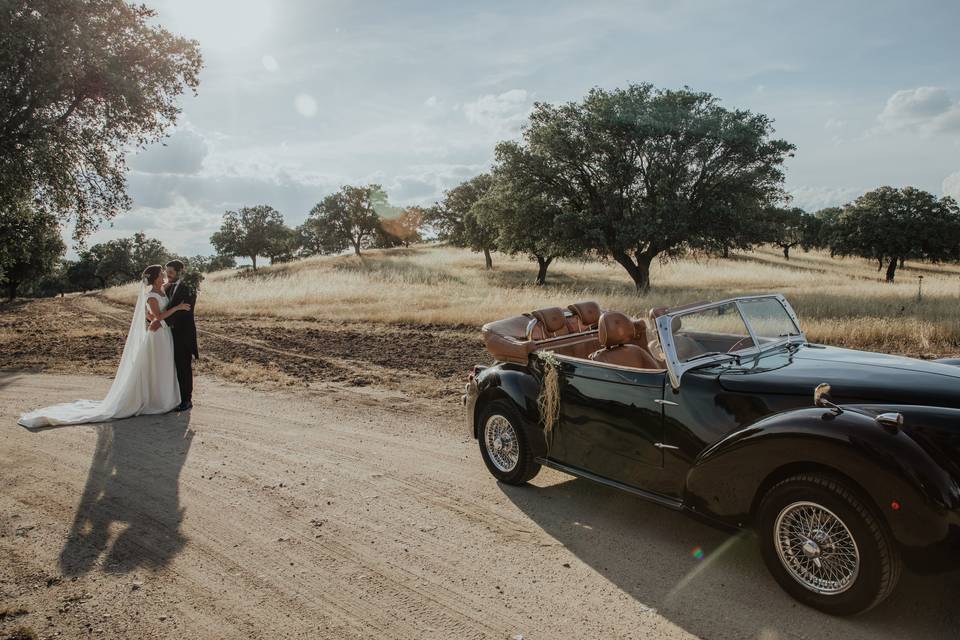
(676, 368)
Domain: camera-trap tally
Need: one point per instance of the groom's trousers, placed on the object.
(183, 360)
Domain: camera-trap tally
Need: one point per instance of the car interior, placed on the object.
(584, 331)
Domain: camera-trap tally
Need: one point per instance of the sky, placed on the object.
(299, 97)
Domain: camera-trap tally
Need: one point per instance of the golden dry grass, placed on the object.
(840, 302)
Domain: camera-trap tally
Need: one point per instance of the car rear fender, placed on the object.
(912, 493)
(518, 385)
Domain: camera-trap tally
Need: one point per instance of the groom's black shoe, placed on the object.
(184, 406)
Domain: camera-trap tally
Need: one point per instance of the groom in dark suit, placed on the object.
(184, 331)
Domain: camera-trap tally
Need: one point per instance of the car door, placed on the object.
(611, 422)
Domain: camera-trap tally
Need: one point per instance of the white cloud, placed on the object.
(951, 185)
(928, 109)
(503, 114)
(182, 226)
(812, 198)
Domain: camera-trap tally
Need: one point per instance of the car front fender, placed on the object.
(916, 496)
(521, 387)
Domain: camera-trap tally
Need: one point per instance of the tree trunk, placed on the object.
(254, 259)
(543, 264)
(892, 268)
(786, 251)
(639, 271)
(356, 247)
(901, 262)
(726, 251)
(488, 259)
(879, 264)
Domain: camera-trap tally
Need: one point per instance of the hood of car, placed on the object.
(855, 376)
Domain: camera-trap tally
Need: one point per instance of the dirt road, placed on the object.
(358, 513)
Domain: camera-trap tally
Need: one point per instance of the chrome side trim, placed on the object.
(668, 403)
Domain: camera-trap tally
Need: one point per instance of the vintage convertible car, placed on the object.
(846, 463)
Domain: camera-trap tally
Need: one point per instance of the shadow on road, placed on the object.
(130, 508)
(709, 583)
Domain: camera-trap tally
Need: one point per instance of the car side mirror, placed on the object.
(821, 398)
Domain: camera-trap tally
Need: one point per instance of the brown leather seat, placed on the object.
(586, 315)
(550, 323)
(616, 331)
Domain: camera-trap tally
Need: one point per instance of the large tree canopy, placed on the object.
(455, 219)
(896, 225)
(527, 223)
(785, 227)
(250, 232)
(82, 82)
(30, 245)
(347, 217)
(648, 172)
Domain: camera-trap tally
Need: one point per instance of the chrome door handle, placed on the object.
(660, 445)
(668, 403)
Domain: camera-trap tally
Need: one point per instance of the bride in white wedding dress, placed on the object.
(146, 380)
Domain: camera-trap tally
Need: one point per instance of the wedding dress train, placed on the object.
(146, 380)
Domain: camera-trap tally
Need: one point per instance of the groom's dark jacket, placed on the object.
(181, 323)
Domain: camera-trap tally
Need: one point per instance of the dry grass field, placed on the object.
(840, 301)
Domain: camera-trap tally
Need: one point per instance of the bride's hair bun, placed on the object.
(151, 273)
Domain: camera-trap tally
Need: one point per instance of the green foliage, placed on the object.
(526, 222)
(30, 245)
(818, 227)
(192, 278)
(249, 232)
(284, 245)
(318, 237)
(896, 225)
(345, 218)
(646, 173)
(784, 227)
(208, 264)
(456, 219)
(115, 262)
(82, 82)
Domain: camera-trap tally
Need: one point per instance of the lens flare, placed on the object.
(697, 552)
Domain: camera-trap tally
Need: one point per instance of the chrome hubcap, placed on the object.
(816, 548)
(501, 442)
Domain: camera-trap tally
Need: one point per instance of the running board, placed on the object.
(670, 503)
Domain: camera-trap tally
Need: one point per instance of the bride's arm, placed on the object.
(154, 308)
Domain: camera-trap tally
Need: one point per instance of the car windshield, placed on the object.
(768, 319)
(716, 330)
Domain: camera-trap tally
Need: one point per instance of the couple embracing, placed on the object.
(156, 369)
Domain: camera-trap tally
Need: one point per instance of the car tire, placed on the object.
(500, 424)
(825, 546)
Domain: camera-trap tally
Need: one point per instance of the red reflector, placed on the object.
(895, 505)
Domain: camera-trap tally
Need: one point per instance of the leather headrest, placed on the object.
(640, 331)
(588, 312)
(615, 329)
(551, 318)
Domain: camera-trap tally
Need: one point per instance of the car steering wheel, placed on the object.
(736, 345)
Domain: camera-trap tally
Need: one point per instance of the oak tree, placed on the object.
(647, 172)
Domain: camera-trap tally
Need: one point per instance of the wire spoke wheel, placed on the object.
(816, 548)
(500, 440)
